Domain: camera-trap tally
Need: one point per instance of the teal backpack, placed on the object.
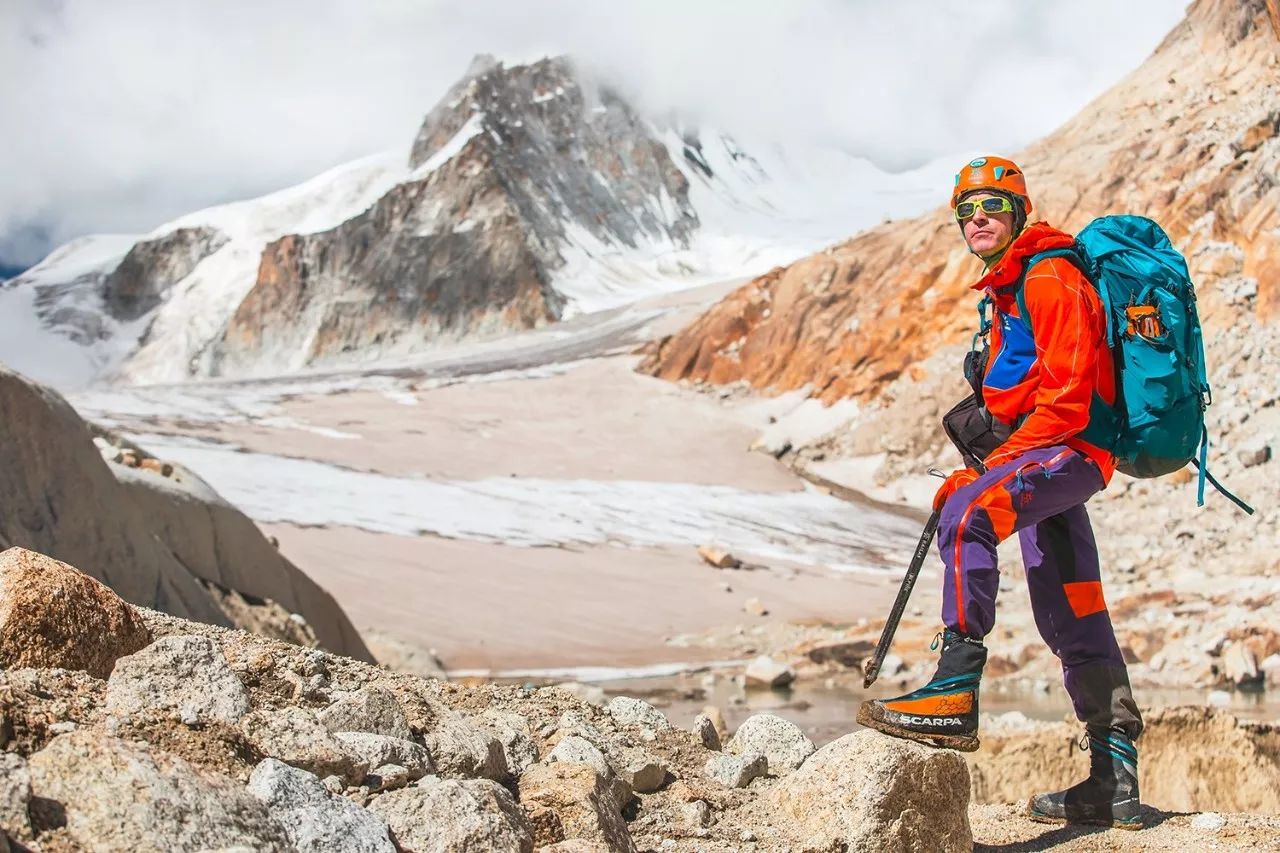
(1156, 425)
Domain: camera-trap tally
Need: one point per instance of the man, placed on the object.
(1045, 374)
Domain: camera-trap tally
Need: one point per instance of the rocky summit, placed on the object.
(154, 733)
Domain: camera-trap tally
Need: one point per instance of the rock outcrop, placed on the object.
(155, 540)
(151, 267)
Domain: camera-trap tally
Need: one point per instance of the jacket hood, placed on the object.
(1036, 237)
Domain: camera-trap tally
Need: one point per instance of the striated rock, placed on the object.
(296, 737)
(119, 796)
(1237, 764)
(186, 676)
(706, 732)
(635, 712)
(866, 791)
(378, 750)
(370, 709)
(315, 820)
(781, 741)
(736, 771)
(47, 608)
(15, 793)
(767, 672)
(451, 816)
(572, 801)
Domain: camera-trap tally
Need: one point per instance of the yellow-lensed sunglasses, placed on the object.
(990, 206)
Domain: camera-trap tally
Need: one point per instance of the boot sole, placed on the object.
(1131, 825)
(961, 744)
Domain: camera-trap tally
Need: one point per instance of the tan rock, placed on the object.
(866, 791)
(718, 558)
(52, 615)
(716, 716)
(164, 469)
(755, 607)
(572, 801)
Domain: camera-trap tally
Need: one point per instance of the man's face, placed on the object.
(987, 233)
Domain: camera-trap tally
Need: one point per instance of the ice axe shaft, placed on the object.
(871, 669)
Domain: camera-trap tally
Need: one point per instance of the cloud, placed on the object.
(121, 114)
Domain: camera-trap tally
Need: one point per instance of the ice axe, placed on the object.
(871, 669)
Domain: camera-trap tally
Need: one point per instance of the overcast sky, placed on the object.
(121, 114)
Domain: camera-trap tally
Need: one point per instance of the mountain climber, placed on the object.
(1038, 387)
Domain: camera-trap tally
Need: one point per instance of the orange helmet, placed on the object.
(992, 173)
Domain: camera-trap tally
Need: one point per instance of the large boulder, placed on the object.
(119, 796)
(157, 541)
(781, 741)
(868, 792)
(49, 610)
(573, 801)
(185, 675)
(315, 820)
(455, 816)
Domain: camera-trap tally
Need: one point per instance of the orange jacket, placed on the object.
(1051, 378)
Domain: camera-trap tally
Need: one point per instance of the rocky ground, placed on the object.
(126, 729)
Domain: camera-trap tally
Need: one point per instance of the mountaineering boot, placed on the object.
(943, 713)
(1109, 797)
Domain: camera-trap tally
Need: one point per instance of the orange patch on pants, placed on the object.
(1085, 597)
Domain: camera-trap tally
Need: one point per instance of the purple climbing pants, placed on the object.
(1041, 495)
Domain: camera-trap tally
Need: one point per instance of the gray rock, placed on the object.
(696, 814)
(15, 793)
(315, 820)
(119, 796)
(767, 672)
(153, 266)
(512, 731)
(185, 676)
(856, 792)
(1254, 453)
(635, 712)
(705, 730)
(461, 747)
(575, 749)
(295, 736)
(736, 771)
(452, 816)
(369, 709)
(781, 741)
(377, 750)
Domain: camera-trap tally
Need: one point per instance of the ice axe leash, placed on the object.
(871, 669)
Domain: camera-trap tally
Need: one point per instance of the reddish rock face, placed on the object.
(51, 616)
(1189, 139)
